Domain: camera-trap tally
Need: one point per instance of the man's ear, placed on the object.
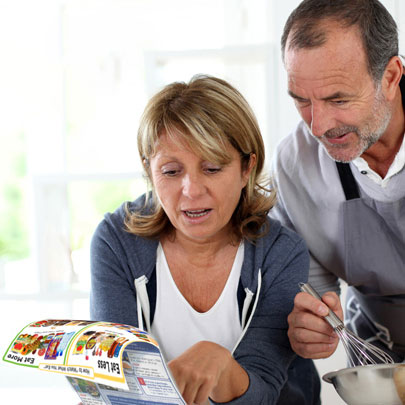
(391, 77)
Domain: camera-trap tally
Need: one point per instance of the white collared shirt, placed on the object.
(396, 166)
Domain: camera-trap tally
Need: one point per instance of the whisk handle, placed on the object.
(332, 318)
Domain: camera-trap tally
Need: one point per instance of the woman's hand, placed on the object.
(208, 370)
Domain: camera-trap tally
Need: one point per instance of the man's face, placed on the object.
(336, 96)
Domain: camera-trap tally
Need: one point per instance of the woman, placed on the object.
(198, 259)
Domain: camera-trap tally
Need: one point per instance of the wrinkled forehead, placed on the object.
(330, 35)
(342, 53)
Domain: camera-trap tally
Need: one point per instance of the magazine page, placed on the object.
(106, 363)
(147, 378)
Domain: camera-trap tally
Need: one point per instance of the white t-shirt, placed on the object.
(177, 325)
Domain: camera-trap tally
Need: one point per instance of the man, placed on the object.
(340, 176)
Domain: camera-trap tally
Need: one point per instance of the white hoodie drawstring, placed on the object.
(246, 304)
(142, 302)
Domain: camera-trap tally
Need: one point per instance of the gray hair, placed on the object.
(378, 30)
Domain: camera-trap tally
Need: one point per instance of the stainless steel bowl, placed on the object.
(381, 384)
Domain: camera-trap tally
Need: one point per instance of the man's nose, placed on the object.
(321, 120)
(193, 185)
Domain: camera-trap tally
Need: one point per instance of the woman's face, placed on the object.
(199, 197)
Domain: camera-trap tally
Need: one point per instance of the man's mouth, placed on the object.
(336, 137)
(338, 133)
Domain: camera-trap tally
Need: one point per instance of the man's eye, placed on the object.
(339, 102)
(301, 102)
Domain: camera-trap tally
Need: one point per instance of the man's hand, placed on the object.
(310, 334)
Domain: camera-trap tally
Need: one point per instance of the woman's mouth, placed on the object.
(196, 213)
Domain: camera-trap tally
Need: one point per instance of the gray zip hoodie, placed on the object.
(123, 290)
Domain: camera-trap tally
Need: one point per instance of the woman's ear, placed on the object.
(145, 162)
(249, 168)
(391, 77)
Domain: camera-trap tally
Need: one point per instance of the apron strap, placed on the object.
(347, 180)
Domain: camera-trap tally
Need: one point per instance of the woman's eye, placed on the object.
(212, 170)
(170, 172)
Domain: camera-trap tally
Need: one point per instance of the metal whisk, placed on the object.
(359, 352)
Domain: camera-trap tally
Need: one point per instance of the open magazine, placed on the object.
(105, 363)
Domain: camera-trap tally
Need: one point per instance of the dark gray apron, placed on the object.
(374, 254)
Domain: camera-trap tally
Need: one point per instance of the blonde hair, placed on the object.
(208, 113)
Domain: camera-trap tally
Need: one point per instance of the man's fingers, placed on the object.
(303, 335)
(333, 302)
(315, 350)
(306, 302)
(300, 320)
(311, 344)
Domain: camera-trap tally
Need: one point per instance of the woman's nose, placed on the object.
(193, 185)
